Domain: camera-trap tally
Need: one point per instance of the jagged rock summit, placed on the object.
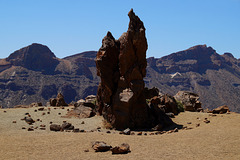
(121, 65)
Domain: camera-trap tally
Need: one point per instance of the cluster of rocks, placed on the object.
(100, 146)
(58, 101)
(84, 108)
(189, 100)
(64, 126)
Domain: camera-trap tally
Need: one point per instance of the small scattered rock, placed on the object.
(42, 125)
(41, 109)
(198, 124)
(132, 133)
(26, 113)
(50, 122)
(83, 122)
(86, 150)
(4, 111)
(30, 129)
(151, 134)
(75, 130)
(43, 113)
(29, 120)
(127, 131)
(59, 113)
(100, 146)
(139, 133)
(35, 110)
(14, 121)
(98, 127)
(23, 127)
(108, 132)
(48, 112)
(145, 134)
(42, 128)
(175, 130)
(82, 130)
(122, 149)
(189, 122)
(212, 115)
(206, 121)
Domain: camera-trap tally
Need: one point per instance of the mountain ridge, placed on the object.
(200, 69)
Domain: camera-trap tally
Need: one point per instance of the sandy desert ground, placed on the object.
(219, 139)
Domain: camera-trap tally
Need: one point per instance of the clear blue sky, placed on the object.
(68, 27)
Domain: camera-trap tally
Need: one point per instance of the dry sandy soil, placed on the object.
(219, 139)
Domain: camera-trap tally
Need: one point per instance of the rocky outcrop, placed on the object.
(189, 100)
(59, 101)
(166, 103)
(121, 65)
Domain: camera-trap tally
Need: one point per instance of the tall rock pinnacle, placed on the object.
(121, 65)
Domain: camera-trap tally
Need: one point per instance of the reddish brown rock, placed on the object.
(59, 101)
(100, 146)
(55, 127)
(122, 149)
(221, 110)
(121, 65)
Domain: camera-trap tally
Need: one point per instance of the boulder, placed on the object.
(100, 146)
(165, 102)
(189, 100)
(67, 126)
(170, 104)
(55, 127)
(81, 111)
(122, 149)
(221, 110)
(121, 65)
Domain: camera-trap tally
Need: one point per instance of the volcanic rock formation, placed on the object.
(121, 65)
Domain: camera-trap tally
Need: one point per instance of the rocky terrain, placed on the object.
(198, 69)
(35, 74)
(198, 138)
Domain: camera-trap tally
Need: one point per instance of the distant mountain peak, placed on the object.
(35, 57)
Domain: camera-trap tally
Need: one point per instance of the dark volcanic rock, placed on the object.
(55, 127)
(121, 65)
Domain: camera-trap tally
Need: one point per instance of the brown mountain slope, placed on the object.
(35, 74)
(216, 78)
